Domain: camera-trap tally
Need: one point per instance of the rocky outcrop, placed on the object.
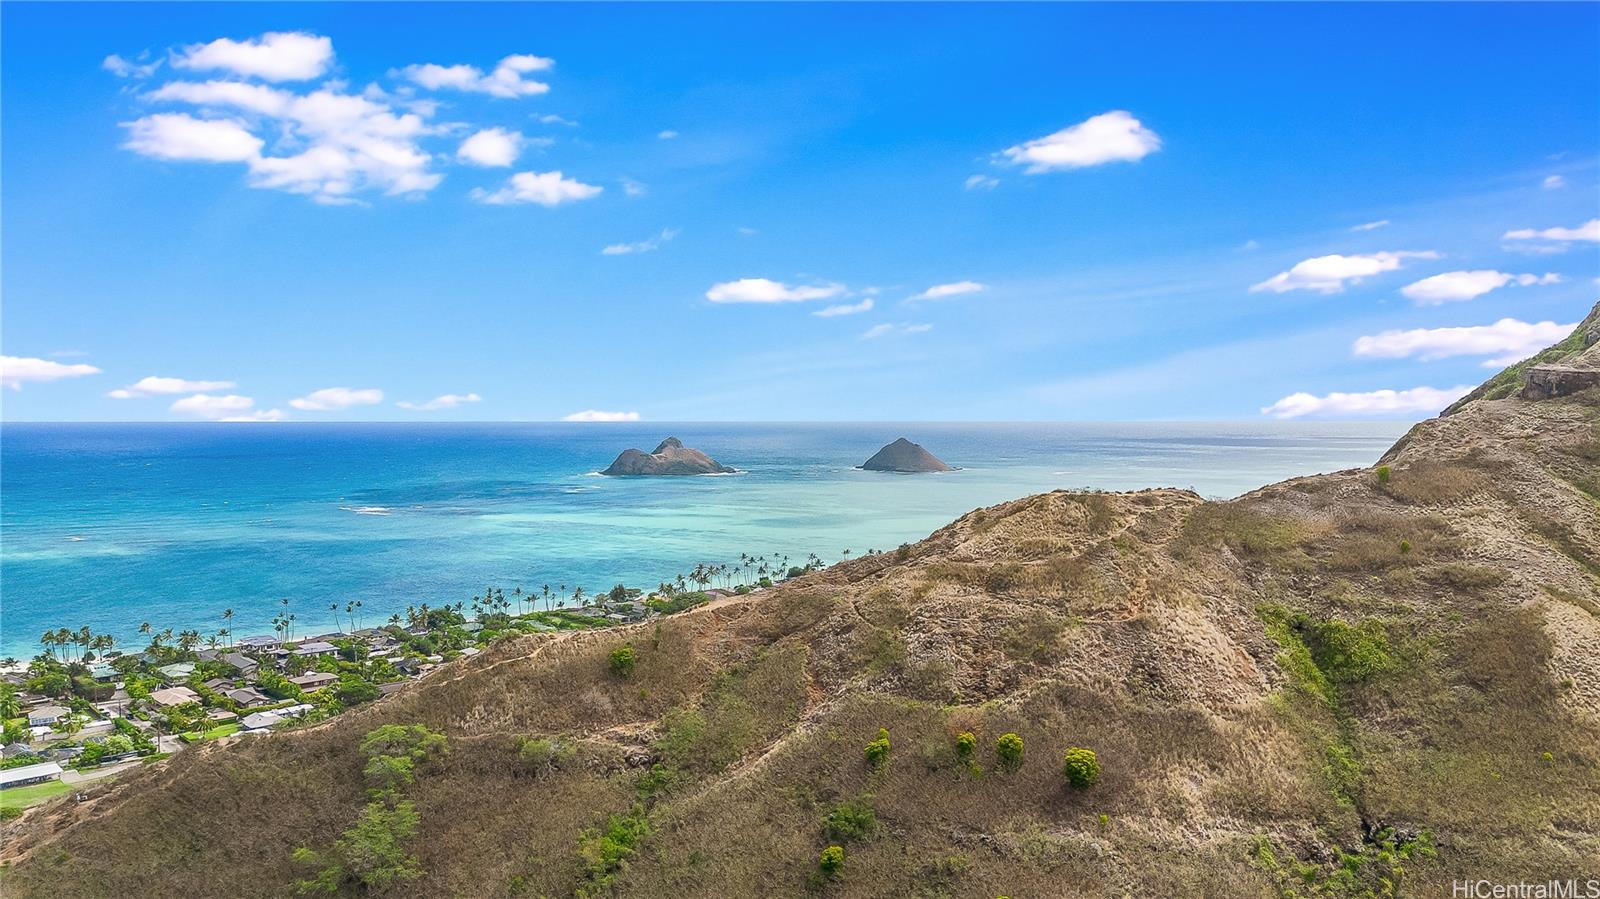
(669, 459)
(904, 456)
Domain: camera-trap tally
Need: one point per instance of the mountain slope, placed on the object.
(1386, 675)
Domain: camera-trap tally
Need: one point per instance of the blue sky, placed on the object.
(1015, 212)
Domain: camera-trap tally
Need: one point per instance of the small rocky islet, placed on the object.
(905, 457)
(670, 458)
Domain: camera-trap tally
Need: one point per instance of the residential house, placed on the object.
(312, 649)
(260, 721)
(172, 696)
(220, 684)
(246, 665)
(313, 680)
(46, 715)
(249, 698)
(12, 750)
(261, 643)
(30, 774)
(221, 716)
(177, 671)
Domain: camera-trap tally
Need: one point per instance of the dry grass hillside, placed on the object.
(1364, 683)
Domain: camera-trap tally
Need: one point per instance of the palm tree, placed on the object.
(358, 613)
(334, 608)
(227, 618)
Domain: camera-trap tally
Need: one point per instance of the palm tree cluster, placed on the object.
(67, 646)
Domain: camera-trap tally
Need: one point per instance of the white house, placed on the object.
(29, 774)
(45, 715)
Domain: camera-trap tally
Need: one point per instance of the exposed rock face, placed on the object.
(905, 456)
(670, 458)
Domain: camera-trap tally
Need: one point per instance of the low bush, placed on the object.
(622, 661)
(851, 820)
(1008, 751)
(831, 861)
(877, 751)
(1080, 766)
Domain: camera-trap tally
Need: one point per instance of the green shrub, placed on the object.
(371, 853)
(1008, 751)
(878, 750)
(852, 820)
(831, 860)
(1350, 654)
(542, 755)
(604, 851)
(966, 745)
(1080, 766)
(1405, 546)
(622, 661)
(1384, 474)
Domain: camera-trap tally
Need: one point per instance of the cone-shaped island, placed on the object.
(904, 456)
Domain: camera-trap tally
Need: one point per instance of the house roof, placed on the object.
(314, 677)
(29, 772)
(311, 646)
(239, 660)
(174, 696)
(48, 711)
(261, 719)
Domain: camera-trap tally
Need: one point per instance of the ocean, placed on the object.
(110, 525)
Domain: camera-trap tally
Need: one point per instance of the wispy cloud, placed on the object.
(1588, 232)
(982, 182)
(1114, 136)
(1507, 341)
(845, 309)
(125, 68)
(1453, 287)
(668, 134)
(18, 370)
(643, 246)
(890, 330)
(1553, 182)
(446, 401)
(1378, 403)
(599, 415)
(953, 289)
(331, 399)
(156, 386)
(1331, 274)
(764, 290)
(1371, 226)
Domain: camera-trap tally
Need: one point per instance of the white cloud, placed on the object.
(1415, 401)
(178, 136)
(506, 81)
(598, 415)
(1507, 340)
(224, 408)
(544, 188)
(1329, 274)
(634, 188)
(330, 399)
(18, 370)
(124, 68)
(845, 309)
(982, 182)
(491, 148)
(1554, 182)
(156, 386)
(553, 119)
(1371, 226)
(1250, 246)
(1588, 231)
(669, 134)
(275, 56)
(955, 289)
(885, 330)
(1455, 286)
(447, 401)
(763, 290)
(329, 144)
(746, 232)
(642, 246)
(1114, 136)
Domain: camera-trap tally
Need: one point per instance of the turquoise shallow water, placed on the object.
(108, 525)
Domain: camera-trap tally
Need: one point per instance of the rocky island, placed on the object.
(670, 458)
(904, 456)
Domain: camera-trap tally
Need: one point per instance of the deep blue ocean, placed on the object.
(108, 525)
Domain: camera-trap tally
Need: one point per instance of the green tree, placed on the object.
(622, 661)
(877, 751)
(370, 854)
